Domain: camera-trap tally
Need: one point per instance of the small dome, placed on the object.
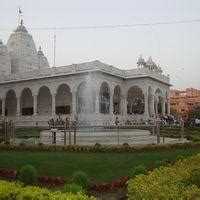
(21, 28)
(150, 62)
(43, 62)
(141, 59)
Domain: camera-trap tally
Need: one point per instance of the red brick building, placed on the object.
(183, 101)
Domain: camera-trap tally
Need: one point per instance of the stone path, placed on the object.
(132, 137)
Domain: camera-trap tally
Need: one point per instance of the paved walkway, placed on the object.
(132, 137)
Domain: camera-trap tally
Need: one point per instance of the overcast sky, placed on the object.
(175, 47)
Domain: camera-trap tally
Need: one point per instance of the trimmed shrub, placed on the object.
(81, 179)
(160, 163)
(28, 175)
(140, 169)
(180, 157)
(196, 139)
(194, 178)
(72, 188)
(126, 145)
(13, 191)
(167, 182)
(7, 142)
(22, 144)
(97, 145)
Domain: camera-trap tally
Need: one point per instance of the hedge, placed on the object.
(102, 149)
(15, 191)
(167, 182)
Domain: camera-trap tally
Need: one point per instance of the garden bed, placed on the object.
(100, 167)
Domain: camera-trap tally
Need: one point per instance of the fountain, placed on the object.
(86, 102)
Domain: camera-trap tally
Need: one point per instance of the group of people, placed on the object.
(60, 122)
(168, 119)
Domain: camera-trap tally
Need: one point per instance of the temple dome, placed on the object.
(43, 62)
(5, 64)
(22, 49)
(150, 62)
(141, 61)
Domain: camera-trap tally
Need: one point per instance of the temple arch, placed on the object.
(44, 101)
(26, 102)
(63, 100)
(11, 103)
(135, 100)
(159, 101)
(104, 98)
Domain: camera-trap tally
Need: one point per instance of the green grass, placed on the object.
(101, 167)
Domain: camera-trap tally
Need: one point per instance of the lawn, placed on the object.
(101, 167)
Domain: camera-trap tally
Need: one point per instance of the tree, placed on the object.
(195, 113)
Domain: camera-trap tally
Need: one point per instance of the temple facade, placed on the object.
(92, 93)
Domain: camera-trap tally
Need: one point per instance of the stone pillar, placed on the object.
(152, 109)
(53, 104)
(163, 107)
(146, 106)
(18, 106)
(168, 106)
(74, 103)
(35, 105)
(156, 106)
(111, 102)
(3, 107)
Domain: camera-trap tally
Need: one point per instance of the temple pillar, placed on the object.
(146, 109)
(18, 106)
(35, 105)
(111, 102)
(74, 102)
(3, 107)
(152, 109)
(156, 106)
(53, 104)
(168, 106)
(163, 107)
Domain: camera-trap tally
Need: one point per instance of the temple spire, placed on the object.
(19, 15)
(21, 22)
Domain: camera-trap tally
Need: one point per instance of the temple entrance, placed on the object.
(104, 98)
(135, 101)
(116, 100)
(11, 103)
(63, 100)
(26, 102)
(44, 101)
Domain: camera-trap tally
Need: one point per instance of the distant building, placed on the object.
(184, 101)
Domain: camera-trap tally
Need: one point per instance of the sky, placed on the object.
(176, 47)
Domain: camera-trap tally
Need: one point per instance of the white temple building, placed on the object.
(93, 92)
